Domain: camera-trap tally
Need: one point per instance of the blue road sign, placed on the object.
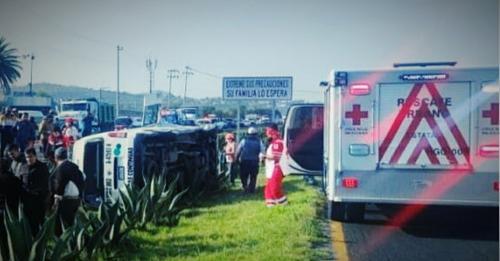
(261, 88)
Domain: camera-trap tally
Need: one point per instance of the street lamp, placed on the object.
(172, 73)
(31, 56)
(118, 49)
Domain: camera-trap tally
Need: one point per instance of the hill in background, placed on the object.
(134, 102)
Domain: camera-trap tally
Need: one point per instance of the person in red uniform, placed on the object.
(273, 192)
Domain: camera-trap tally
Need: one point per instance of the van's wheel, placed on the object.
(348, 212)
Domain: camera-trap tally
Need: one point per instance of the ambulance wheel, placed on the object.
(348, 212)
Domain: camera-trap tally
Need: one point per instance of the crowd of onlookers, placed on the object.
(34, 169)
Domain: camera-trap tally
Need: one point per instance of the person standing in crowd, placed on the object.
(10, 186)
(18, 165)
(56, 139)
(68, 184)
(51, 160)
(70, 133)
(87, 124)
(7, 125)
(26, 133)
(273, 192)
(36, 190)
(46, 128)
(248, 152)
(229, 151)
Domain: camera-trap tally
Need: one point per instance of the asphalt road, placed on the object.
(415, 233)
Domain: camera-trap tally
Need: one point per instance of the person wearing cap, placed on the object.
(273, 192)
(67, 185)
(248, 153)
(229, 151)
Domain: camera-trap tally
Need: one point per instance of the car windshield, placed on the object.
(123, 121)
(74, 107)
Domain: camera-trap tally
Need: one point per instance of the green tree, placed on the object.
(9, 65)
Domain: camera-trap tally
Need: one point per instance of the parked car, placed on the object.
(136, 122)
(123, 122)
(38, 115)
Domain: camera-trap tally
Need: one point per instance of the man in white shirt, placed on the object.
(68, 183)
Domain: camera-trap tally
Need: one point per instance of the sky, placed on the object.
(75, 42)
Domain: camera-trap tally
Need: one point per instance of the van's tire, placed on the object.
(347, 212)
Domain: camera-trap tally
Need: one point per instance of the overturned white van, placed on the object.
(118, 158)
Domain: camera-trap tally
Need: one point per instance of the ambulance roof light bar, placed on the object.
(397, 65)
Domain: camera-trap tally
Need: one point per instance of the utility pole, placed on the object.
(100, 93)
(187, 72)
(31, 56)
(118, 49)
(171, 74)
(151, 69)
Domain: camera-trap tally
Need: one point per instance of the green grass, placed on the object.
(237, 226)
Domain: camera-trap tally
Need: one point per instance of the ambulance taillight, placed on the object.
(350, 182)
(488, 150)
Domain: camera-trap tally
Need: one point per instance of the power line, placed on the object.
(205, 73)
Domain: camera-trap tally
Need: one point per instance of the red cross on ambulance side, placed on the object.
(356, 114)
(492, 113)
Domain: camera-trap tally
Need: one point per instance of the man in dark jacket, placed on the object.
(248, 153)
(10, 187)
(26, 133)
(87, 124)
(18, 165)
(68, 184)
(36, 190)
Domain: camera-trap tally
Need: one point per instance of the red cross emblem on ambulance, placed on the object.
(492, 114)
(356, 114)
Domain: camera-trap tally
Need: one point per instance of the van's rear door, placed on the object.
(424, 125)
(93, 167)
(304, 139)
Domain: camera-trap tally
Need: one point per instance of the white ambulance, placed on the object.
(427, 136)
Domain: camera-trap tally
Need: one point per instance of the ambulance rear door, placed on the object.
(424, 125)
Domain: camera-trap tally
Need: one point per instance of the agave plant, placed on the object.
(21, 243)
(134, 204)
(105, 228)
(166, 211)
(71, 243)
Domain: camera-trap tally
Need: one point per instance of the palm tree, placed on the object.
(9, 66)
